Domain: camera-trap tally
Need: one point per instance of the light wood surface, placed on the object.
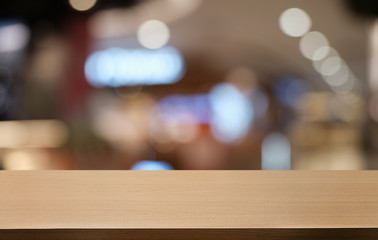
(188, 199)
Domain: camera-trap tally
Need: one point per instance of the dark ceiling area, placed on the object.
(54, 11)
(366, 8)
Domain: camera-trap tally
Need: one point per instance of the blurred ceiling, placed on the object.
(246, 32)
(227, 34)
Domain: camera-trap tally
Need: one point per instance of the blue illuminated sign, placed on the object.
(115, 67)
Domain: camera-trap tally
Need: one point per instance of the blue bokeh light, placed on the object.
(232, 113)
(276, 152)
(289, 90)
(260, 102)
(196, 106)
(115, 67)
(151, 165)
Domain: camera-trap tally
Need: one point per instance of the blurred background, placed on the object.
(188, 84)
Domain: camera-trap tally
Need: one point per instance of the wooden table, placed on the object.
(188, 205)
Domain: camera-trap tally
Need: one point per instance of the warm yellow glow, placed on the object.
(34, 133)
(82, 5)
(26, 160)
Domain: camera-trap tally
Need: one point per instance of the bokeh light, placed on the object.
(153, 34)
(186, 6)
(276, 152)
(232, 113)
(331, 65)
(317, 63)
(347, 86)
(26, 159)
(82, 5)
(340, 77)
(289, 90)
(314, 46)
(180, 116)
(152, 165)
(33, 134)
(196, 106)
(295, 22)
(117, 67)
(14, 36)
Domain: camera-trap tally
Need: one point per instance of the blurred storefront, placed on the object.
(188, 84)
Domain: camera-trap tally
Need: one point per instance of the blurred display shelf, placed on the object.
(188, 205)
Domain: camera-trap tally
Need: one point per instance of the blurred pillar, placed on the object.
(76, 87)
(373, 68)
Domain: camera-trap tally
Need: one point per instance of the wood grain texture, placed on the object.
(188, 199)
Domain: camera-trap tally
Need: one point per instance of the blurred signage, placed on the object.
(115, 67)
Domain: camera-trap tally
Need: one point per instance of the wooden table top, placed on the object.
(188, 199)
